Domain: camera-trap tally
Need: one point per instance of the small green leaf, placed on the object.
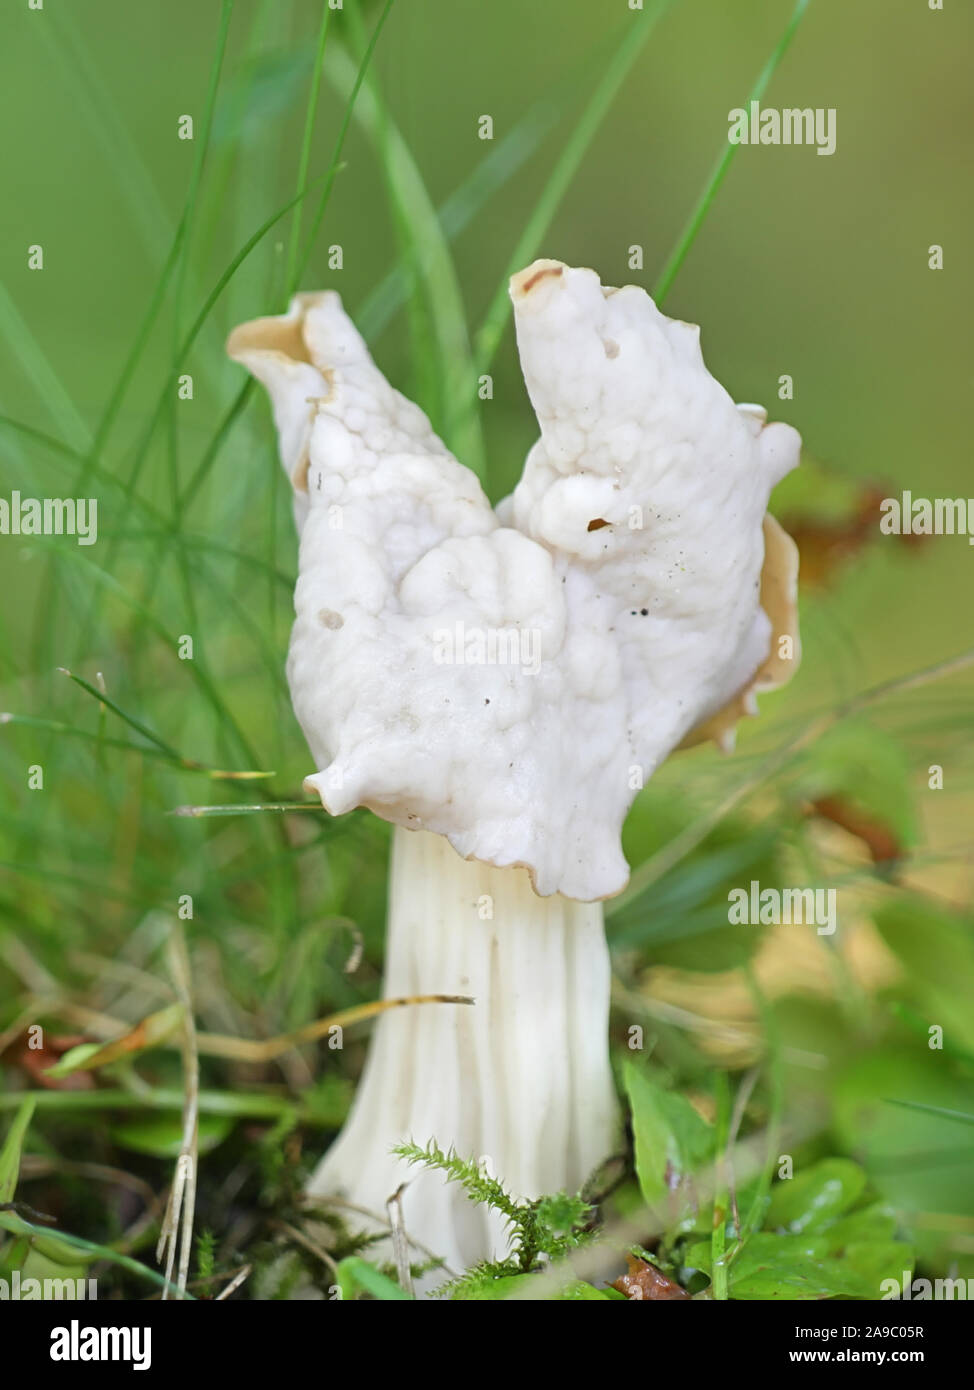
(963, 1117)
(810, 1200)
(775, 1269)
(73, 1060)
(671, 1143)
(41, 1243)
(876, 1224)
(356, 1275)
(150, 1032)
(161, 1136)
(772, 1268)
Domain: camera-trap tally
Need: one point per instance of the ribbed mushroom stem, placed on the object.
(520, 1079)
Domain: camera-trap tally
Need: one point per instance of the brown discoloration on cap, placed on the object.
(553, 270)
(299, 478)
(597, 523)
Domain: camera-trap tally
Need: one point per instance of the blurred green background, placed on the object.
(808, 266)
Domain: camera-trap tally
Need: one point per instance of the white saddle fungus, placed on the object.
(507, 680)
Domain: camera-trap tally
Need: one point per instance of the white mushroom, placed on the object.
(500, 684)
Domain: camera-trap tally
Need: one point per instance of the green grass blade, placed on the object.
(119, 150)
(92, 1250)
(194, 330)
(195, 669)
(339, 146)
(233, 413)
(256, 1105)
(56, 726)
(128, 719)
(202, 148)
(506, 156)
(435, 280)
(961, 1116)
(236, 409)
(637, 32)
(278, 808)
(12, 1149)
(356, 1274)
(718, 1256)
(25, 349)
(64, 452)
(459, 210)
(696, 219)
(304, 159)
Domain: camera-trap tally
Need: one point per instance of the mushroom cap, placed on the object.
(510, 679)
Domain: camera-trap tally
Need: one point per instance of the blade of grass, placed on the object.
(65, 452)
(637, 32)
(192, 333)
(504, 160)
(233, 172)
(243, 396)
(304, 159)
(222, 433)
(437, 291)
(119, 150)
(769, 1029)
(718, 1233)
(254, 1105)
(425, 382)
(34, 363)
(196, 542)
(55, 726)
(322, 207)
(196, 669)
(230, 810)
(173, 259)
(42, 652)
(147, 733)
(12, 1148)
(174, 266)
(179, 282)
(696, 219)
(959, 1115)
(290, 269)
(455, 215)
(196, 173)
(93, 1251)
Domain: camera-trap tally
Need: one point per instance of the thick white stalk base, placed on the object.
(520, 1079)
